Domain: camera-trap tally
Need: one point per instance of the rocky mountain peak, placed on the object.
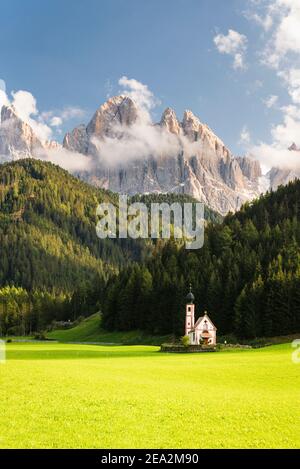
(196, 130)
(116, 111)
(195, 161)
(17, 139)
(282, 176)
(51, 145)
(77, 140)
(169, 121)
(294, 147)
(190, 123)
(199, 165)
(8, 112)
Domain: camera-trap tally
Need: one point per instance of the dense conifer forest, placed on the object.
(54, 267)
(247, 275)
(52, 264)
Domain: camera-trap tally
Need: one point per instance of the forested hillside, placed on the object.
(52, 264)
(247, 275)
(47, 228)
(160, 198)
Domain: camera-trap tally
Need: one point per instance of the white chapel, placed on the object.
(203, 331)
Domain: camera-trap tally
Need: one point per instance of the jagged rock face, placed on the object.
(17, 138)
(250, 168)
(77, 140)
(196, 131)
(202, 166)
(169, 121)
(281, 177)
(294, 147)
(108, 121)
(191, 125)
(51, 145)
(232, 173)
(116, 112)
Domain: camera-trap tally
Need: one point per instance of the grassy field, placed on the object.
(86, 396)
(90, 330)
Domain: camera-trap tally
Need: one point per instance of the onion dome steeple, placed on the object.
(190, 297)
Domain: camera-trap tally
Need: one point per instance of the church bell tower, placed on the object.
(189, 312)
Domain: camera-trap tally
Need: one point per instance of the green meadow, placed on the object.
(90, 330)
(57, 395)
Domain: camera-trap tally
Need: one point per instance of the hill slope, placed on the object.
(90, 330)
(47, 229)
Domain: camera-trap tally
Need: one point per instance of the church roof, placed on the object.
(202, 317)
(199, 320)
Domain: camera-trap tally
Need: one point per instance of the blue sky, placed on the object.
(71, 53)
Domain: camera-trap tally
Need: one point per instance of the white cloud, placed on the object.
(26, 108)
(140, 94)
(244, 136)
(271, 156)
(141, 138)
(283, 135)
(271, 101)
(3, 99)
(2, 85)
(291, 78)
(238, 61)
(72, 112)
(265, 21)
(3, 95)
(260, 12)
(291, 110)
(56, 121)
(58, 117)
(71, 161)
(234, 44)
(25, 105)
(287, 132)
(281, 52)
(285, 38)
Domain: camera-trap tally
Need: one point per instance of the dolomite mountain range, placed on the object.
(127, 153)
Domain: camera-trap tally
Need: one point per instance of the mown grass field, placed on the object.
(66, 395)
